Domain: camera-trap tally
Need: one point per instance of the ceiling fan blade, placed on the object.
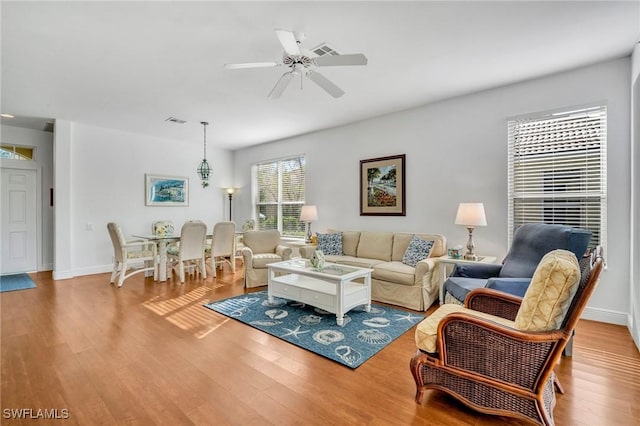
(280, 85)
(288, 42)
(325, 84)
(333, 60)
(251, 65)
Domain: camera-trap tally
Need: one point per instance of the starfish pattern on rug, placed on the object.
(296, 332)
(408, 317)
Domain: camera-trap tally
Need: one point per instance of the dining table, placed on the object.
(162, 241)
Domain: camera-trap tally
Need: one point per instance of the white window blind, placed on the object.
(558, 170)
(279, 194)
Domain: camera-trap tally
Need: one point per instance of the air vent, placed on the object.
(325, 49)
(175, 120)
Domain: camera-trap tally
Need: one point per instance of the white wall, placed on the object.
(634, 253)
(105, 170)
(43, 153)
(457, 151)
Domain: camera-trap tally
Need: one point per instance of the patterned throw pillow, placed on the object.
(330, 243)
(418, 249)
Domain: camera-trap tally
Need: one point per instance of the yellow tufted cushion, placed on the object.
(549, 295)
(427, 330)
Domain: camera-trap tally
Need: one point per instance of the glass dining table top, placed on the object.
(158, 237)
(162, 236)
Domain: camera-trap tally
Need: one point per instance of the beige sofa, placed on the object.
(391, 280)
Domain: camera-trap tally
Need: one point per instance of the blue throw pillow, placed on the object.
(330, 243)
(418, 249)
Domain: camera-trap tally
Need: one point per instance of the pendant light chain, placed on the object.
(205, 124)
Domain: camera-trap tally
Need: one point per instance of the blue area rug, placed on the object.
(16, 282)
(363, 335)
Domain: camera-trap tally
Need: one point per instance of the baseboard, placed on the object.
(92, 270)
(603, 315)
(62, 275)
(46, 267)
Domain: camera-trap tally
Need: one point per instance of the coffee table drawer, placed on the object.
(316, 298)
(286, 290)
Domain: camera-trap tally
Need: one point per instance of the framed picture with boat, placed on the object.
(162, 190)
(382, 186)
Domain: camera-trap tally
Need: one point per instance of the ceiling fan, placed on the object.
(303, 63)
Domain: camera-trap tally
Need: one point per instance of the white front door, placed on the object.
(18, 227)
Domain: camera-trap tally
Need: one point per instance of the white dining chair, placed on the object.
(129, 253)
(223, 246)
(191, 249)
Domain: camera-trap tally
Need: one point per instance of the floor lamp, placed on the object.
(230, 192)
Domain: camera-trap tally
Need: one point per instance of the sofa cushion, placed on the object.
(401, 241)
(350, 241)
(360, 262)
(375, 245)
(427, 330)
(550, 293)
(395, 272)
(418, 249)
(330, 243)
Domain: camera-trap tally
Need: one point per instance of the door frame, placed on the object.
(31, 165)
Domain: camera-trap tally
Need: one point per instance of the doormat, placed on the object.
(16, 282)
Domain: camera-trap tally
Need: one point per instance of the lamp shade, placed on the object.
(471, 214)
(309, 214)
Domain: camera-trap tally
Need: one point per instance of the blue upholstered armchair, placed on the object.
(530, 243)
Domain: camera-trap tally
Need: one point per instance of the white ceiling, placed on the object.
(130, 65)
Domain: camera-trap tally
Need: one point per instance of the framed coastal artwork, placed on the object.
(161, 190)
(382, 186)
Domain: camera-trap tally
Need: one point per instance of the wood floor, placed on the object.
(150, 353)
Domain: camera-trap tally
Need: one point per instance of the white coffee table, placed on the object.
(332, 289)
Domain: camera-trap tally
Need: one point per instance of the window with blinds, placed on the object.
(558, 170)
(279, 194)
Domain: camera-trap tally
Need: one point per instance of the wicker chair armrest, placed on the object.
(494, 351)
(493, 302)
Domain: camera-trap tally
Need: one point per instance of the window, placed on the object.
(558, 170)
(279, 190)
(13, 152)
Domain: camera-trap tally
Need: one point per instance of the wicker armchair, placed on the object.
(489, 362)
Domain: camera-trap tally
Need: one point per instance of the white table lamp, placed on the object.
(309, 214)
(470, 215)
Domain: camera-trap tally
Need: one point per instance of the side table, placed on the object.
(446, 261)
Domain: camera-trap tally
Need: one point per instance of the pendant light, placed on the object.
(204, 170)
